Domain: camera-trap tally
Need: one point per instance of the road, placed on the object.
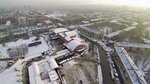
(104, 64)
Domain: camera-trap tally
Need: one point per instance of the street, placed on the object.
(104, 64)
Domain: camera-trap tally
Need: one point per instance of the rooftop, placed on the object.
(133, 72)
(119, 32)
(43, 72)
(134, 45)
(59, 30)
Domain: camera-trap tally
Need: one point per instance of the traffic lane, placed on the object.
(107, 79)
(104, 63)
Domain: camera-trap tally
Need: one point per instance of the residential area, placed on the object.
(97, 45)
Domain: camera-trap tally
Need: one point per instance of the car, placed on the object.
(115, 73)
(113, 65)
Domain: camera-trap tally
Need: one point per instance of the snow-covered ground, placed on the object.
(12, 75)
(32, 51)
(143, 63)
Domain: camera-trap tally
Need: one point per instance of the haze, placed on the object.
(10, 3)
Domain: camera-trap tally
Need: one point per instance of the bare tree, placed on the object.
(18, 51)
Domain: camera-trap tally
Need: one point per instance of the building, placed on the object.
(70, 39)
(128, 70)
(22, 21)
(75, 45)
(44, 72)
(91, 33)
(5, 31)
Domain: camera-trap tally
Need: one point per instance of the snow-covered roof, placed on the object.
(52, 63)
(8, 23)
(59, 30)
(133, 72)
(120, 31)
(72, 45)
(46, 65)
(53, 75)
(61, 53)
(69, 35)
(48, 21)
(134, 45)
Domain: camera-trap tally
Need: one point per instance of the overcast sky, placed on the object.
(72, 2)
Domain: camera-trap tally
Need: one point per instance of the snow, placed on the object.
(63, 51)
(8, 23)
(52, 63)
(72, 45)
(2, 66)
(59, 30)
(38, 49)
(100, 77)
(55, 15)
(146, 40)
(53, 75)
(133, 72)
(38, 67)
(85, 22)
(116, 22)
(135, 45)
(119, 32)
(48, 21)
(59, 54)
(10, 76)
(70, 35)
(31, 50)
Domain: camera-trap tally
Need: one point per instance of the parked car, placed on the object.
(115, 73)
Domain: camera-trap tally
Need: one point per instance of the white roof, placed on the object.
(36, 68)
(52, 63)
(133, 72)
(59, 30)
(8, 23)
(72, 45)
(61, 53)
(120, 31)
(69, 35)
(134, 45)
(47, 21)
(34, 74)
(53, 75)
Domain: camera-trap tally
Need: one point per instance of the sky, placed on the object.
(9, 3)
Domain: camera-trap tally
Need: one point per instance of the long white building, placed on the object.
(44, 72)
